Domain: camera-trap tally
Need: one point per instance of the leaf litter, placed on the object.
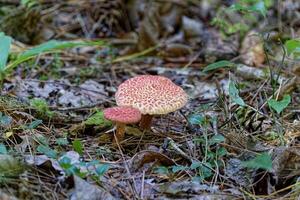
(180, 157)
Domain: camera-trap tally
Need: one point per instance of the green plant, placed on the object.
(3, 149)
(29, 3)
(62, 141)
(205, 168)
(34, 124)
(234, 94)
(10, 168)
(78, 146)
(5, 120)
(5, 42)
(218, 65)
(213, 154)
(210, 145)
(52, 46)
(293, 48)
(55, 68)
(97, 119)
(261, 161)
(45, 149)
(94, 168)
(248, 9)
(41, 106)
(279, 106)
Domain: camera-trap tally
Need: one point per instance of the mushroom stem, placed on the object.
(146, 121)
(120, 132)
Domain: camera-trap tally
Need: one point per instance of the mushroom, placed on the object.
(122, 115)
(152, 95)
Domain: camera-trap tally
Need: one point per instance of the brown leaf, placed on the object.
(4, 196)
(193, 190)
(237, 172)
(176, 50)
(252, 49)
(286, 162)
(44, 162)
(296, 69)
(191, 27)
(86, 191)
(144, 157)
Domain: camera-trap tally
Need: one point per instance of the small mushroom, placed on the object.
(152, 95)
(122, 115)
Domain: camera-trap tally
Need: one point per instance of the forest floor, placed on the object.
(236, 138)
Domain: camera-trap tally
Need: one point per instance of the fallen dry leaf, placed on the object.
(4, 196)
(252, 50)
(87, 191)
(193, 190)
(145, 157)
(286, 162)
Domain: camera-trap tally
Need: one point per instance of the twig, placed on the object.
(136, 55)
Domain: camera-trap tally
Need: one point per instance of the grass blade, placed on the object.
(5, 42)
(50, 47)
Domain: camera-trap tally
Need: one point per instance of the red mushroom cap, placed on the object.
(151, 94)
(122, 114)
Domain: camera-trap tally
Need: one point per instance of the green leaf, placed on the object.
(260, 8)
(196, 119)
(205, 171)
(217, 65)
(69, 168)
(262, 161)
(234, 94)
(268, 3)
(48, 47)
(3, 149)
(41, 106)
(216, 139)
(203, 168)
(92, 163)
(77, 146)
(29, 3)
(293, 47)
(102, 169)
(199, 140)
(10, 168)
(5, 42)
(278, 106)
(238, 7)
(62, 141)
(97, 119)
(47, 151)
(5, 120)
(161, 170)
(34, 124)
(54, 45)
(65, 162)
(221, 152)
(41, 139)
(195, 164)
(177, 168)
